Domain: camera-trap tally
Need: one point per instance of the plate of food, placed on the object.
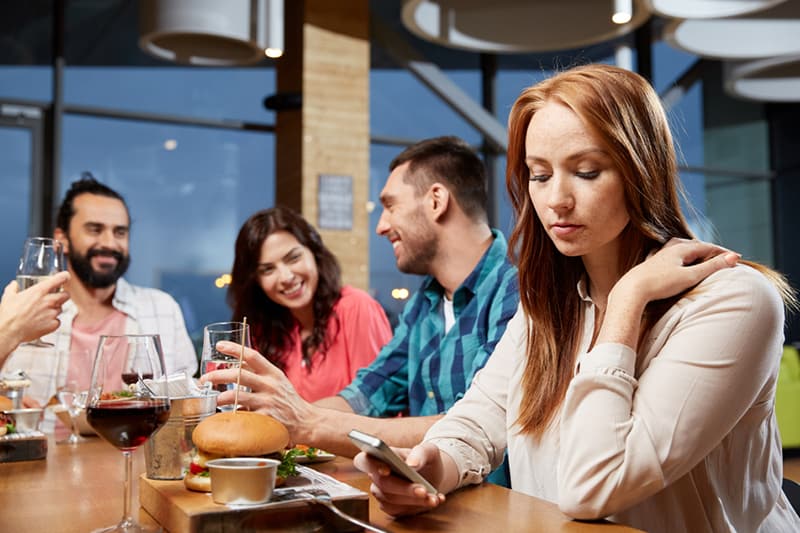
(308, 454)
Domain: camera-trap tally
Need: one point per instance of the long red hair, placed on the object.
(623, 111)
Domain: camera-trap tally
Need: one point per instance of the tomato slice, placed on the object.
(197, 469)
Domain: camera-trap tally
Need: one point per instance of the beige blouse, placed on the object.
(681, 437)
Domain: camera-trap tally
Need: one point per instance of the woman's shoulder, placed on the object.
(739, 282)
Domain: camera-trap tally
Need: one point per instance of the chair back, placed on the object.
(792, 491)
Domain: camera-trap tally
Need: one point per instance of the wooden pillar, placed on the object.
(327, 60)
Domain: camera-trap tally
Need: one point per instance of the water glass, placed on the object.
(211, 359)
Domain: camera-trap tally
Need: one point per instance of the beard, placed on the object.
(82, 266)
(420, 246)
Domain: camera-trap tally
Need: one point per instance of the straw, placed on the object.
(239, 374)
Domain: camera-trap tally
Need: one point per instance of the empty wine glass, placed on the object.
(72, 402)
(211, 359)
(123, 408)
(41, 258)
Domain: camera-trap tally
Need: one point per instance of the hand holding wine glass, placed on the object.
(128, 401)
(41, 258)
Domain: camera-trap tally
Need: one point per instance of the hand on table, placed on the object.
(397, 496)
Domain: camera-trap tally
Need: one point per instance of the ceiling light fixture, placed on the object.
(211, 32)
(505, 26)
(623, 11)
(772, 79)
(701, 9)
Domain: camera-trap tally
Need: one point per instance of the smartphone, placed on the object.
(378, 449)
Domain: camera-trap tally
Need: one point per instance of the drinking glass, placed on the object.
(211, 359)
(128, 402)
(41, 258)
(72, 402)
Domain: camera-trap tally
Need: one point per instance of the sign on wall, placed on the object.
(335, 196)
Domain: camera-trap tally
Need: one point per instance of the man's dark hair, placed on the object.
(86, 185)
(452, 162)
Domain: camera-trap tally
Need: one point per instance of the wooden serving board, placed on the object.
(23, 447)
(179, 510)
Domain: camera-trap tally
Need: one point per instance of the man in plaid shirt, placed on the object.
(435, 217)
(93, 225)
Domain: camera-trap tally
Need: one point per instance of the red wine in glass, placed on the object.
(127, 424)
(131, 378)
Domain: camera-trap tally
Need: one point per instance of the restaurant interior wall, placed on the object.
(216, 177)
(735, 137)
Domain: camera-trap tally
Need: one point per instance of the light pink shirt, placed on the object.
(83, 347)
(362, 331)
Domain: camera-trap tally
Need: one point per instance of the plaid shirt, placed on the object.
(423, 371)
(147, 310)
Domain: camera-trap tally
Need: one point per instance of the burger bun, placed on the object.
(197, 483)
(240, 434)
(6, 404)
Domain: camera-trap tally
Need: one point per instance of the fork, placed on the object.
(323, 498)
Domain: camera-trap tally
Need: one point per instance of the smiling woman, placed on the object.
(288, 284)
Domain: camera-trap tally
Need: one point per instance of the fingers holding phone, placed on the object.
(399, 488)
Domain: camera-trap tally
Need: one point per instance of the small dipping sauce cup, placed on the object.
(242, 480)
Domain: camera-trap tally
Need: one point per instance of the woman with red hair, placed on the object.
(637, 380)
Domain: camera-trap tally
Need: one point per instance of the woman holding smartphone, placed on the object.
(636, 382)
(288, 285)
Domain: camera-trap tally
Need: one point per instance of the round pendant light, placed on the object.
(522, 25)
(768, 33)
(690, 9)
(211, 32)
(771, 79)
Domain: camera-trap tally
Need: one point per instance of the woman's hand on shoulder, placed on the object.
(677, 266)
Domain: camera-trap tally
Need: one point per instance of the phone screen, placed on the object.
(378, 449)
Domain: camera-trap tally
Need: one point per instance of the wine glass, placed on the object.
(211, 359)
(41, 258)
(128, 402)
(72, 401)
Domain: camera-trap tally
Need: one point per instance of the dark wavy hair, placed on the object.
(86, 185)
(270, 323)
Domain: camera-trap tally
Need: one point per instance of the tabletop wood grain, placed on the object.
(79, 488)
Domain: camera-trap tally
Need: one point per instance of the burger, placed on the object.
(6, 403)
(6, 420)
(237, 434)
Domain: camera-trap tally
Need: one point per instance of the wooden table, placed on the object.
(79, 488)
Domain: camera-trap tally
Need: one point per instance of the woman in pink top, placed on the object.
(288, 285)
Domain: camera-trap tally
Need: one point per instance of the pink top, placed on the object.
(84, 346)
(363, 330)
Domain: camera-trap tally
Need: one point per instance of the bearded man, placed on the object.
(93, 225)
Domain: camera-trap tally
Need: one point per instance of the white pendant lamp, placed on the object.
(521, 25)
(767, 80)
(690, 9)
(768, 33)
(211, 32)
